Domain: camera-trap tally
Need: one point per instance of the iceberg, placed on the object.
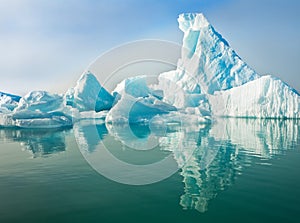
(13, 97)
(41, 109)
(40, 101)
(135, 86)
(212, 78)
(136, 102)
(207, 62)
(210, 81)
(131, 109)
(38, 109)
(8, 102)
(89, 95)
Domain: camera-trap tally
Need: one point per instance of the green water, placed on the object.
(234, 170)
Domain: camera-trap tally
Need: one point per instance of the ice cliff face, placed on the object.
(265, 97)
(212, 78)
(207, 63)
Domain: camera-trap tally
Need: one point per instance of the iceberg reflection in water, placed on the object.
(209, 157)
(39, 142)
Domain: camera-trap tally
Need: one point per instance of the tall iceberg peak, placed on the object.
(192, 20)
(212, 78)
(208, 59)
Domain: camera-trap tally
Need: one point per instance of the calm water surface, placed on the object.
(234, 170)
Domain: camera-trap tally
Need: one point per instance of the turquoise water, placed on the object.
(234, 170)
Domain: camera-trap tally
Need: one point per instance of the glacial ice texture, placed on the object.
(213, 79)
(89, 95)
(38, 109)
(210, 81)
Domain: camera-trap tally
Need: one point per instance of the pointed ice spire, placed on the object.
(211, 78)
(192, 20)
(208, 58)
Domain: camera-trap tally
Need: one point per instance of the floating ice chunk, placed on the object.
(40, 101)
(131, 109)
(38, 109)
(134, 86)
(89, 95)
(137, 87)
(13, 97)
(136, 102)
(8, 102)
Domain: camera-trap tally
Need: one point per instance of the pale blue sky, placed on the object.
(46, 45)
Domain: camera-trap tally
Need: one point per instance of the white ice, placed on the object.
(89, 95)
